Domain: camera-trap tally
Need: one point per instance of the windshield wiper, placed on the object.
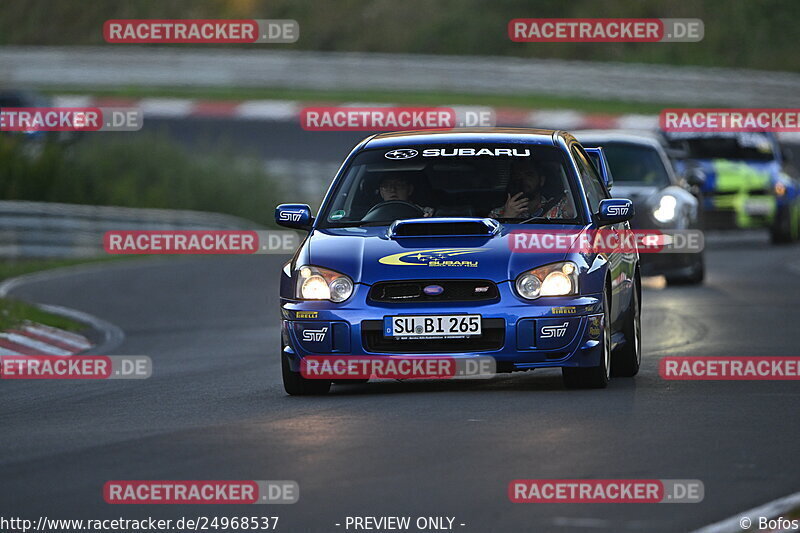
(375, 223)
(535, 220)
(359, 224)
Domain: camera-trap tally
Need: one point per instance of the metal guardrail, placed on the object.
(52, 230)
(162, 66)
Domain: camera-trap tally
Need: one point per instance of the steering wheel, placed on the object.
(393, 210)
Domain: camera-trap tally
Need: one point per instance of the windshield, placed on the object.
(514, 183)
(635, 164)
(750, 146)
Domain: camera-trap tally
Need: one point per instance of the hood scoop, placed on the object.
(444, 227)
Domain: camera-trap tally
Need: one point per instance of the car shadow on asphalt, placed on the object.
(541, 381)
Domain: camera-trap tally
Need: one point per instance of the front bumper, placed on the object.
(738, 209)
(511, 329)
(667, 264)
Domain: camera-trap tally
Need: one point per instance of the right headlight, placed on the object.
(557, 279)
(316, 283)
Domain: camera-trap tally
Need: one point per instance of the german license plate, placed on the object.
(431, 326)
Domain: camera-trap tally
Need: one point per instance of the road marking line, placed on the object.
(596, 523)
(20, 349)
(268, 110)
(770, 510)
(64, 337)
(47, 349)
(57, 343)
(166, 107)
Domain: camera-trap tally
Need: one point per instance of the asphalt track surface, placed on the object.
(215, 408)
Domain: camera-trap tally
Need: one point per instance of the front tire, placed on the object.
(695, 277)
(594, 377)
(296, 385)
(628, 357)
(786, 227)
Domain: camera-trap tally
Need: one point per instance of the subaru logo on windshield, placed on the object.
(401, 153)
(433, 290)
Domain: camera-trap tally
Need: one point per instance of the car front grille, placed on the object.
(492, 338)
(413, 291)
(749, 192)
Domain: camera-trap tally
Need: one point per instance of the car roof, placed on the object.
(473, 135)
(644, 137)
(641, 137)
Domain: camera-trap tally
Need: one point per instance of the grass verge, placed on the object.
(14, 313)
(148, 170)
(14, 268)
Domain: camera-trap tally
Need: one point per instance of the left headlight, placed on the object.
(666, 209)
(316, 283)
(557, 279)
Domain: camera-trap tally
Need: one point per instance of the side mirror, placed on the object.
(677, 153)
(295, 216)
(695, 177)
(598, 158)
(614, 211)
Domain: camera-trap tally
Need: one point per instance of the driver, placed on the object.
(525, 198)
(399, 188)
(638, 171)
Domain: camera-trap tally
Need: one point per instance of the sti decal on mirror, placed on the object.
(291, 216)
(617, 210)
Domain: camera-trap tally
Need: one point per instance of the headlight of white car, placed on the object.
(665, 211)
(316, 283)
(557, 279)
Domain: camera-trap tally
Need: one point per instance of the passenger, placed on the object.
(525, 198)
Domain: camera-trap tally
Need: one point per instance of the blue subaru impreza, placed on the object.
(411, 254)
